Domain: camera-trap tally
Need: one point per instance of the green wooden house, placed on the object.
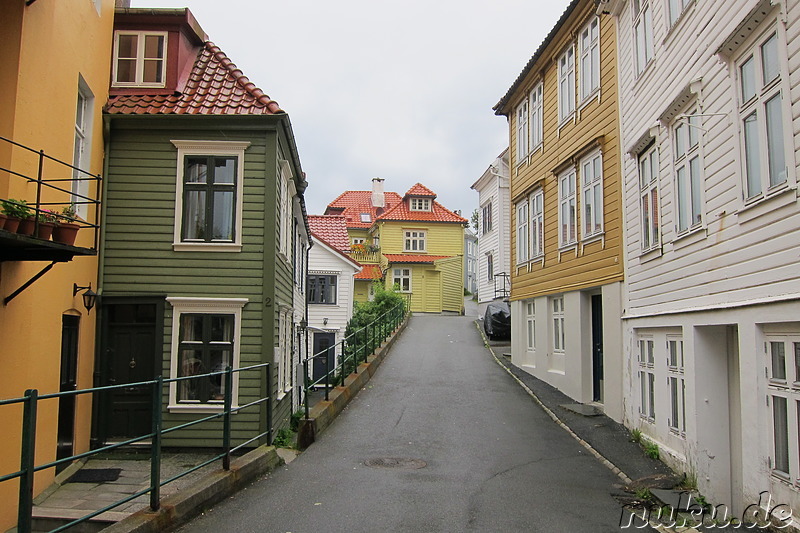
(203, 260)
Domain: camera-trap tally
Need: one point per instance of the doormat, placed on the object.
(95, 475)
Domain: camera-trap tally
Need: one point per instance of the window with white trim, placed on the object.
(414, 240)
(285, 195)
(420, 204)
(559, 338)
(401, 278)
(82, 148)
(359, 240)
(592, 179)
(566, 84)
(537, 223)
(536, 118)
(486, 218)
(676, 8)
(688, 171)
(590, 58)
(489, 267)
(647, 379)
(783, 388)
(284, 351)
(208, 214)
(676, 383)
(140, 59)
(567, 210)
(322, 289)
(761, 112)
(642, 33)
(522, 130)
(530, 325)
(522, 231)
(205, 339)
(649, 199)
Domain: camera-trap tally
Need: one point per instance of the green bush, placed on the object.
(284, 438)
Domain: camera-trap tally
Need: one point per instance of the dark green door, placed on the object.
(130, 352)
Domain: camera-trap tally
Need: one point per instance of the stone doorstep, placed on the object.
(74, 514)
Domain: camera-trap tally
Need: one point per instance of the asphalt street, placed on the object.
(462, 448)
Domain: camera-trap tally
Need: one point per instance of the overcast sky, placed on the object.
(401, 90)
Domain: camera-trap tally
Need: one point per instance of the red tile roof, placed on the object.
(370, 272)
(420, 190)
(215, 87)
(351, 204)
(331, 229)
(408, 258)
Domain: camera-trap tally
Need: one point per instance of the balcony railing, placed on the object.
(58, 186)
(365, 253)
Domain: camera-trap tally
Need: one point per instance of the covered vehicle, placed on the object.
(497, 320)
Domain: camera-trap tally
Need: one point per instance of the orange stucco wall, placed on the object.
(53, 45)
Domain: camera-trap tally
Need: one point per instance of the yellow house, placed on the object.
(566, 230)
(411, 242)
(53, 83)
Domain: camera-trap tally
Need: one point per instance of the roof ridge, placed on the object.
(241, 79)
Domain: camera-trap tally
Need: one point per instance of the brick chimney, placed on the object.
(378, 198)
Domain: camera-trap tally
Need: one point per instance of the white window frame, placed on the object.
(567, 208)
(530, 325)
(284, 351)
(489, 267)
(688, 171)
(419, 204)
(676, 385)
(642, 14)
(537, 224)
(646, 360)
(566, 85)
(140, 59)
(486, 217)
(676, 9)
(285, 191)
(523, 235)
(401, 275)
(558, 320)
(783, 388)
(415, 240)
(761, 173)
(523, 130)
(592, 195)
(359, 240)
(209, 148)
(535, 121)
(205, 306)
(649, 199)
(82, 149)
(590, 59)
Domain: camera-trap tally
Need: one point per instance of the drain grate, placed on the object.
(396, 462)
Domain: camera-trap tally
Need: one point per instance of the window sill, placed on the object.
(206, 247)
(767, 203)
(690, 236)
(198, 408)
(650, 255)
(569, 119)
(594, 237)
(588, 99)
(678, 23)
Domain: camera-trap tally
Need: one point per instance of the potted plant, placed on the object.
(15, 211)
(47, 222)
(66, 227)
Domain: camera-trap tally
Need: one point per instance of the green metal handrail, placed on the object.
(28, 467)
(386, 323)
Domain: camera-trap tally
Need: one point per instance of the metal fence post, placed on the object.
(327, 375)
(226, 419)
(269, 404)
(155, 449)
(27, 461)
(305, 383)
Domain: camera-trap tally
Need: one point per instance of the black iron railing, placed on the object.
(28, 468)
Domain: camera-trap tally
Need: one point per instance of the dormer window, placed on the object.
(420, 204)
(365, 217)
(140, 59)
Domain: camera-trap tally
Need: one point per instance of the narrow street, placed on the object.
(480, 455)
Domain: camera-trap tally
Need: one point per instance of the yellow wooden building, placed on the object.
(566, 241)
(411, 242)
(53, 83)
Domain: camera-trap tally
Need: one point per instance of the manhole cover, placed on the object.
(395, 462)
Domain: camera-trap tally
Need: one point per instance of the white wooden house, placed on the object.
(709, 100)
(494, 230)
(330, 289)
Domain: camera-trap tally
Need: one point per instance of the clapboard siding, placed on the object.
(591, 264)
(739, 248)
(139, 258)
(492, 187)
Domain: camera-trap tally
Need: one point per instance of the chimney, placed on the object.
(378, 198)
(123, 3)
